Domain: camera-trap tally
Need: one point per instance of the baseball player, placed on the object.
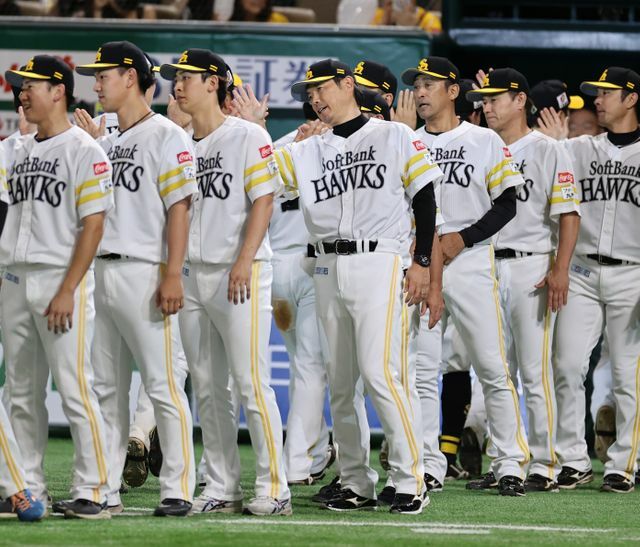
(533, 278)
(605, 285)
(355, 184)
(138, 271)
(477, 198)
(373, 105)
(228, 289)
(60, 190)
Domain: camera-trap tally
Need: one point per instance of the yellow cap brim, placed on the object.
(237, 81)
(367, 83)
(168, 71)
(477, 94)
(16, 77)
(591, 88)
(576, 102)
(89, 70)
(299, 89)
(408, 76)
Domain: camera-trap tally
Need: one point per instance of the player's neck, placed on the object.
(624, 125)
(514, 132)
(52, 126)
(132, 112)
(348, 115)
(206, 121)
(442, 122)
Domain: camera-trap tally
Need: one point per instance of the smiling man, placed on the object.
(605, 284)
(355, 184)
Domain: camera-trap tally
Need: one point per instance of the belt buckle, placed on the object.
(338, 243)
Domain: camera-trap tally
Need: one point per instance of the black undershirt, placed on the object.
(4, 208)
(423, 203)
(623, 139)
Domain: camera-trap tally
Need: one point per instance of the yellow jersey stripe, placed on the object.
(88, 184)
(499, 180)
(89, 197)
(562, 200)
(172, 173)
(289, 163)
(257, 167)
(417, 172)
(178, 184)
(414, 159)
(257, 181)
(497, 168)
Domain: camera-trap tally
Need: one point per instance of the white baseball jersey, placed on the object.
(549, 190)
(235, 166)
(347, 186)
(608, 181)
(53, 185)
(4, 189)
(152, 169)
(111, 123)
(477, 169)
(11, 144)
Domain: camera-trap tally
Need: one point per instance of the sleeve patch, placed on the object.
(419, 145)
(100, 168)
(189, 172)
(106, 185)
(272, 166)
(565, 178)
(507, 152)
(266, 151)
(568, 193)
(184, 157)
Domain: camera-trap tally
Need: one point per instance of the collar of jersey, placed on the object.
(333, 140)
(525, 141)
(445, 138)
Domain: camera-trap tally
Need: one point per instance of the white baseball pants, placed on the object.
(12, 479)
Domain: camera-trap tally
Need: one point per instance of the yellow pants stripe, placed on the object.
(175, 398)
(636, 427)
(255, 379)
(14, 471)
(389, 378)
(84, 391)
(519, 438)
(546, 364)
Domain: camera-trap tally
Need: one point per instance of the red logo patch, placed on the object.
(184, 157)
(506, 151)
(419, 146)
(99, 168)
(565, 178)
(265, 151)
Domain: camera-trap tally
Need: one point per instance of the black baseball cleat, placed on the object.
(487, 482)
(60, 506)
(7, 510)
(387, 495)
(509, 485)
(85, 509)
(538, 483)
(432, 484)
(136, 468)
(409, 504)
(638, 478)
(348, 500)
(171, 507)
(456, 473)
(328, 491)
(569, 478)
(155, 453)
(470, 453)
(617, 484)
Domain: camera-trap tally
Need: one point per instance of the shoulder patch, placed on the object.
(266, 151)
(419, 145)
(506, 151)
(100, 168)
(184, 157)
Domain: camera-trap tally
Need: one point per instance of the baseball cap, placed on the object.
(321, 71)
(372, 74)
(374, 103)
(436, 67)
(464, 107)
(499, 81)
(42, 67)
(553, 94)
(233, 80)
(117, 54)
(195, 60)
(614, 77)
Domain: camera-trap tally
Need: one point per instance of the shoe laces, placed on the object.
(21, 502)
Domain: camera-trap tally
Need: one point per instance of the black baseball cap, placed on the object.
(462, 105)
(553, 94)
(196, 60)
(321, 71)
(436, 67)
(233, 80)
(374, 103)
(376, 75)
(42, 67)
(499, 81)
(117, 54)
(614, 77)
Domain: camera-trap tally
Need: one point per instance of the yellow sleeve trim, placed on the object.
(90, 197)
(257, 181)
(171, 173)
(419, 171)
(283, 159)
(554, 201)
(256, 167)
(175, 186)
(415, 159)
(497, 168)
(87, 184)
(499, 180)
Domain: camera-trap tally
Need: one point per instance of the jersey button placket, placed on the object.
(348, 204)
(24, 231)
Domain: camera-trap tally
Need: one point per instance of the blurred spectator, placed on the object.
(116, 9)
(164, 9)
(9, 7)
(256, 11)
(405, 13)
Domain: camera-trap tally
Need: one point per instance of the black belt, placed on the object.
(608, 261)
(510, 253)
(110, 256)
(291, 205)
(341, 247)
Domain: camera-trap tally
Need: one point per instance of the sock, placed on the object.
(456, 399)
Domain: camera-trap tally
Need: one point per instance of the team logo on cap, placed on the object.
(29, 67)
(359, 68)
(603, 78)
(423, 65)
(99, 55)
(309, 74)
(485, 80)
(183, 58)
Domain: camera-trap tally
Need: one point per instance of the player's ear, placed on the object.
(454, 91)
(58, 92)
(631, 100)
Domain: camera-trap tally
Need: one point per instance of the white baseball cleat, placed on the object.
(264, 506)
(206, 504)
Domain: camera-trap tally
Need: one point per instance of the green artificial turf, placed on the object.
(454, 517)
